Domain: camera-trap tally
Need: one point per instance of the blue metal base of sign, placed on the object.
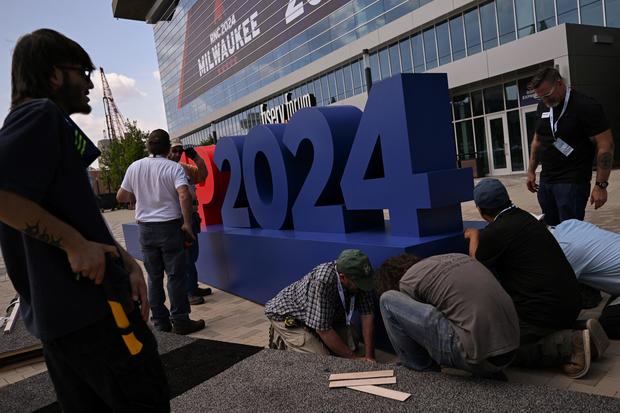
(257, 263)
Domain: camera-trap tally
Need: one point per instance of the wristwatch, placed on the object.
(602, 185)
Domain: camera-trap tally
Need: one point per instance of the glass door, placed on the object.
(529, 120)
(497, 140)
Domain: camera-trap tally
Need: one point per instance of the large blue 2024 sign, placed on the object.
(300, 193)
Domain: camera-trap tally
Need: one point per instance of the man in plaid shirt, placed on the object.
(313, 315)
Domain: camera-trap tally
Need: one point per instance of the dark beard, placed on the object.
(71, 99)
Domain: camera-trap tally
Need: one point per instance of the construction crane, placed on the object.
(115, 123)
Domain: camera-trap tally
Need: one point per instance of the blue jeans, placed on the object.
(191, 256)
(563, 201)
(420, 334)
(162, 248)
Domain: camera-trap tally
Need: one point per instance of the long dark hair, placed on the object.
(34, 58)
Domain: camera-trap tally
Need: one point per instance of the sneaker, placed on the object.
(579, 362)
(195, 300)
(202, 292)
(187, 326)
(598, 338)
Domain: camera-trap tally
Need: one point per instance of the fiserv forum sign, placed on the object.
(224, 36)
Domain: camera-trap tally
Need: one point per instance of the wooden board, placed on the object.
(361, 375)
(383, 392)
(362, 382)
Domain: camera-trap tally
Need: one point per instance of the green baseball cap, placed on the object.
(355, 265)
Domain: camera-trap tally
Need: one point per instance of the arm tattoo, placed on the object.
(605, 160)
(41, 234)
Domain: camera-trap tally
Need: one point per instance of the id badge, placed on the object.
(563, 147)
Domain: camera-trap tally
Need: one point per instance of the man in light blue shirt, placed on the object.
(593, 253)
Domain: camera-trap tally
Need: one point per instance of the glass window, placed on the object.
(325, 89)
(505, 21)
(476, 103)
(514, 139)
(317, 92)
(394, 59)
(465, 140)
(384, 63)
(493, 99)
(592, 12)
(511, 93)
(348, 81)
(462, 108)
(525, 17)
(417, 46)
(612, 12)
(357, 78)
(481, 143)
(333, 89)
(405, 55)
(545, 14)
(443, 43)
(472, 31)
(457, 36)
(340, 83)
(374, 67)
(430, 48)
(567, 11)
(488, 26)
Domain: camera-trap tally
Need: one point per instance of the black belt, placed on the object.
(156, 223)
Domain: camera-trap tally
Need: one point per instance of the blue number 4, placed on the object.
(403, 158)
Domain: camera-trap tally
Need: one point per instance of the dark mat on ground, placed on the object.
(187, 361)
(17, 343)
(284, 381)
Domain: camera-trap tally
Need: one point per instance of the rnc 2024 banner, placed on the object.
(224, 36)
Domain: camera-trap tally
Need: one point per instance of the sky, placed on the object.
(124, 48)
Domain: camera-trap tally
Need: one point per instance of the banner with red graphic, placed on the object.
(224, 36)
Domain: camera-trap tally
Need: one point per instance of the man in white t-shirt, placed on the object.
(164, 215)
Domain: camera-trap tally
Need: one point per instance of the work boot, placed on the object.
(579, 362)
(598, 339)
(202, 292)
(184, 327)
(195, 300)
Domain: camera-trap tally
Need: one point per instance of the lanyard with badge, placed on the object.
(348, 315)
(504, 210)
(559, 143)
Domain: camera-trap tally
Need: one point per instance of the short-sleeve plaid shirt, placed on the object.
(314, 300)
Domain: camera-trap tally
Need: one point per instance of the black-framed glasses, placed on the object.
(84, 72)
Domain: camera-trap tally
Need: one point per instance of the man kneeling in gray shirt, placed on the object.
(447, 310)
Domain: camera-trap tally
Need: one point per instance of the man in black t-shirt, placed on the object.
(57, 247)
(571, 130)
(533, 270)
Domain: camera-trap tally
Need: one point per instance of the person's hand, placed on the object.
(188, 232)
(87, 259)
(598, 197)
(469, 232)
(190, 152)
(139, 291)
(368, 359)
(532, 186)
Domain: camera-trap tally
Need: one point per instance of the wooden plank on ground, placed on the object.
(383, 392)
(361, 375)
(362, 382)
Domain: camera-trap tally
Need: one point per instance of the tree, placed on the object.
(207, 141)
(120, 153)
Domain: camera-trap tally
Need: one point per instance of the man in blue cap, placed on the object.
(533, 270)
